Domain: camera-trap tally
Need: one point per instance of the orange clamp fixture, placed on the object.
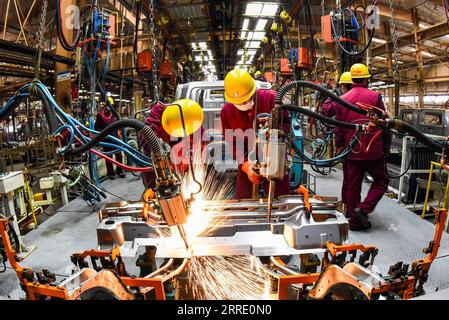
(305, 192)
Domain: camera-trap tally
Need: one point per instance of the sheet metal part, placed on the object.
(236, 228)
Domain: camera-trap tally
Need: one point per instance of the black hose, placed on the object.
(412, 131)
(67, 46)
(106, 101)
(322, 118)
(48, 110)
(307, 84)
(104, 133)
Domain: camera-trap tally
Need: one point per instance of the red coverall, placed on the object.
(233, 119)
(101, 122)
(330, 110)
(361, 160)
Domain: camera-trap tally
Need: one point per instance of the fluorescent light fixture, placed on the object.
(243, 35)
(255, 44)
(209, 53)
(261, 24)
(428, 54)
(379, 40)
(269, 9)
(380, 57)
(198, 58)
(194, 45)
(258, 35)
(245, 24)
(203, 45)
(254, 9)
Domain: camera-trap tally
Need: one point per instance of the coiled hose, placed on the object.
(311, 85)
(147, 132)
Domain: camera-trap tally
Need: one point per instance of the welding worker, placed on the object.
(362, 159)
(105, 118)
(238, 115)
(166, 122)
(329, 109)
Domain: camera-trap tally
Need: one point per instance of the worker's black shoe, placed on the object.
(112, 177)
(122, 175)
(362, 218)
(359, 227)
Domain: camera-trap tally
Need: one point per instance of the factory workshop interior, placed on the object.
(224, 150)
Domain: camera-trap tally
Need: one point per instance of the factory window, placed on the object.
(407, 117)
(433, 119)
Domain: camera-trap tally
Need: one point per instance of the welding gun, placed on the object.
(273, 144)
(173, 206)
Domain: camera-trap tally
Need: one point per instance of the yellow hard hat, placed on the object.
(346, 78)
(258, 73)
(239, 86)
(360, 71)
(191, 112)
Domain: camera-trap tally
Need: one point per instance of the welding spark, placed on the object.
(226, 278)
(216, 189)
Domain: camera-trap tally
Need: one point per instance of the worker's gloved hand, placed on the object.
(253, 176)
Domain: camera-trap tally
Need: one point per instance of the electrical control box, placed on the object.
(11, 181)
(286, 68)
(269, 75)
(46, 183)
(144, 61)
(166, 70)
(101, 23)
(301, 58)
(338, 27)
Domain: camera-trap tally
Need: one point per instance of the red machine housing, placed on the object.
(166, 70)
(286, 68)
(144, 61)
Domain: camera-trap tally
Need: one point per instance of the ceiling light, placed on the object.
(379, 40)
(261, 24)
(245, 24)
(255, 44)
(203, 45)
(269, 9)
(243, 35)
(253, 9)
(428, 54)
(258, 35)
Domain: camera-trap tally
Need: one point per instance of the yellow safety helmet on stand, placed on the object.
(239, 86)
(191, 112)
(360, 71)
(345, 78)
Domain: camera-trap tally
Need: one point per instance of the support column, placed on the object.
(419, 59)
(63, 86)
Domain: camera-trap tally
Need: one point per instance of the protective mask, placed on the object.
(245, 107)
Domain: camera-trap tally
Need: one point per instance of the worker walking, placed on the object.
(330, 110)
(105, 118)
(237, 117)
(368, 156)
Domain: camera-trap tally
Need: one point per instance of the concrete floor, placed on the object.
(399, 234)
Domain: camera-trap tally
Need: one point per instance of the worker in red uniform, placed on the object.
(105, 118)
(165, 120)
(365, 157)
(330, 110)
(237, 116)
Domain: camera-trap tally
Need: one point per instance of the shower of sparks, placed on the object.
(217, 278)
(226, 278)
(206, 204)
